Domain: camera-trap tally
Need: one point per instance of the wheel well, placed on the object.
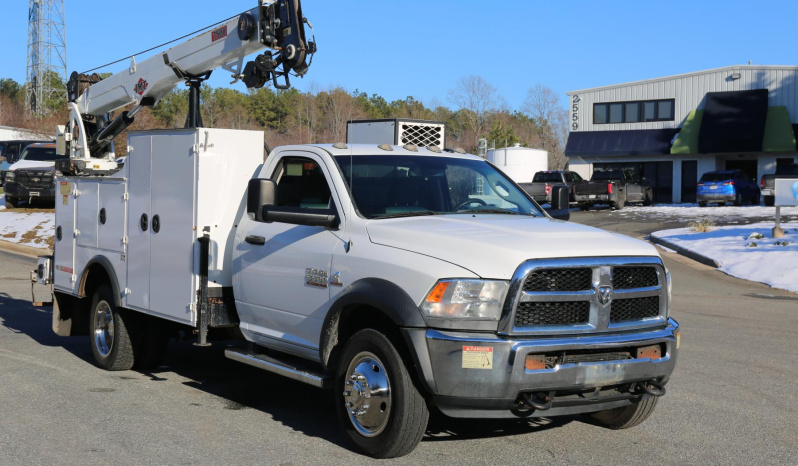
(349, 321)
(93, 277)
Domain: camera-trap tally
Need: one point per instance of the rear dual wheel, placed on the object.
(378, 404)
(122, 339)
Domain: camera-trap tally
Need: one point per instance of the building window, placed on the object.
(633, 112)
(600, 114)
(616, 113)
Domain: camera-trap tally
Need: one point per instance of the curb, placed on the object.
(23, 250)
(685, 252)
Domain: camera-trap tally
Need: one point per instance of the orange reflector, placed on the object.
(436, 295)
(651, 352)
(678, 339)
(535, 362)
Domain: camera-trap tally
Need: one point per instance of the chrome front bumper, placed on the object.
(492, 391)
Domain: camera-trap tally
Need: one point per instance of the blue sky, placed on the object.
(421, 48)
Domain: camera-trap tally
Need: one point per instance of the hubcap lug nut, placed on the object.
(347, 393)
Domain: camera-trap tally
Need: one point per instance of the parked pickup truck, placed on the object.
(32, 177)
(768, 182)
(613, 187)
(403, 279)
(542, 183)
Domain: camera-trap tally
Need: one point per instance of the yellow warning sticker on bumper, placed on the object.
(477, 357)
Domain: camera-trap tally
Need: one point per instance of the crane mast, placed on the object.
(274, 27)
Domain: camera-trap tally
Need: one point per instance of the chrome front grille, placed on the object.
(634, 309)
(633, 277)
(559, 280)
(565, 313)
(561, 296)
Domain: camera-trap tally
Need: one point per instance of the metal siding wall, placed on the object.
(689, 91)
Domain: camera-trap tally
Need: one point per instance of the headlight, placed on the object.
(9, 176)
(466, 299)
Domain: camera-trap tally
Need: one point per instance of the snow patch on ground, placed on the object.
(29, 229)
(742, 253)
(691, 212)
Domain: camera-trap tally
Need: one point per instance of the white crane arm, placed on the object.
(158, 75)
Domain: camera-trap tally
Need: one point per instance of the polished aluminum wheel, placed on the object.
(103, 328)
(367, 394)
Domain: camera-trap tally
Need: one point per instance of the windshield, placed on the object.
(541, 177)
(713, 177)
(404, 186)
(41, 154)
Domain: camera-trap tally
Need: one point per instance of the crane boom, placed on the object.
(274, 26)
(156, 76)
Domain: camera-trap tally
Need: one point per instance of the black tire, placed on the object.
(648, 199)
(738, 199)
(755, 199)
(623, 417)
(702, 204)
(118, 354)
(584, 206)
(12, 202)
(620, 203)
(396, 433)
(770, 201)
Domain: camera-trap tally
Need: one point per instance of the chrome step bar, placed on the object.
(276, 366)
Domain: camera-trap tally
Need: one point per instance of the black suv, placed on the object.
(32, 183)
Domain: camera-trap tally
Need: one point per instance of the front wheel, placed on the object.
(755, 199)
(379, 406)
(625, 416)
(738, 200)
(618, 205)
(12, 202)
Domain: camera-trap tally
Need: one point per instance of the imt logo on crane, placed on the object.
(140, 86)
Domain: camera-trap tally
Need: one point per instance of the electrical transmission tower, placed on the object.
(45, 86)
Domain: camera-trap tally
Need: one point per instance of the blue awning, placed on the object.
(625, 142)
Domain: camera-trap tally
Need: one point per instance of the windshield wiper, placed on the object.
(408, 214)
(489, 211)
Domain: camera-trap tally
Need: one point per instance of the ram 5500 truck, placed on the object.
(404, 279)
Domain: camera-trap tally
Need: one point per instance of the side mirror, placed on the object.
(260, 193)
(560, 208)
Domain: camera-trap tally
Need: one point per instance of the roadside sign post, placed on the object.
(786, 195)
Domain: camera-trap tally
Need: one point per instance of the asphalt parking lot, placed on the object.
(731, 400)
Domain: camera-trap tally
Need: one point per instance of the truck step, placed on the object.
(290, 370)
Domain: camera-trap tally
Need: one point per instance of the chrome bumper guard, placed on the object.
(464, 389)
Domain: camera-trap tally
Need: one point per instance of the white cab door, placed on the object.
(282, 293)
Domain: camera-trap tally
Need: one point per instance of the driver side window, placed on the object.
(301, 183)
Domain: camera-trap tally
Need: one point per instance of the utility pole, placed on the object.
(45, 84)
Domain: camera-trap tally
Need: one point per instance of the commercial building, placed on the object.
(671, 130)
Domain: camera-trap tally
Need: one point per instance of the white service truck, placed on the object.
(403, 278)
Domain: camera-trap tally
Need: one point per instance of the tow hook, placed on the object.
(539, 401)
(652, 387)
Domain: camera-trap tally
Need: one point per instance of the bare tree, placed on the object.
(477, 98)
(543, 104)
(339, 107)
